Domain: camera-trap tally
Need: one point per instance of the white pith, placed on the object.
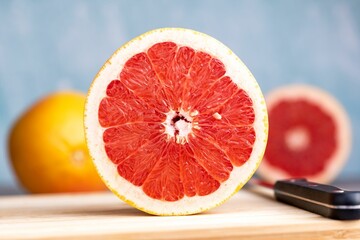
(297, 139)
(235, 69)
(182, 127)
(330, 106)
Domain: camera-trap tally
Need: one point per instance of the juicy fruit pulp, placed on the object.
(175, 123)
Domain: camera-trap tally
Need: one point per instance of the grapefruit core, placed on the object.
(309, 135)
(175, 122)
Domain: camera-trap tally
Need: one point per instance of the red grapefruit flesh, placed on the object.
(309, 135)
(175, 122)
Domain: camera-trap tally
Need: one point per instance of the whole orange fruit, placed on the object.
(47, 147)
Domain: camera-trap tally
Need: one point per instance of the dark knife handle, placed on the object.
(326, 200)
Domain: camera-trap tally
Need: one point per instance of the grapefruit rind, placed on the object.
(235, 69)
(329, 105)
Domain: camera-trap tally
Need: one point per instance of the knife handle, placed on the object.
(326, 200)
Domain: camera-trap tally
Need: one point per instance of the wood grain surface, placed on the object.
(103, 216)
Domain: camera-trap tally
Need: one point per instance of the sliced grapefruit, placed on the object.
(175, 122)
(309, 135)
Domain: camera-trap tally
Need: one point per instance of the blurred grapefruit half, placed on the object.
(309, 135)
(175, 122)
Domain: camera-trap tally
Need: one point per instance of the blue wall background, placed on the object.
(51, 45)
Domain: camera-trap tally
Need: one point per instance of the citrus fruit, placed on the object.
(175, 122)
(47, 147)
(309, 135)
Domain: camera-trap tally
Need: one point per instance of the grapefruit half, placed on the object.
(309, 135)
(175, 122)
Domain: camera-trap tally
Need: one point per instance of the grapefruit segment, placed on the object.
(236, 142)
(120, 141)
(175, 122)
(139, 77)
(204, 71)
(216, 95)
(134, 168)
(211, 158)
(177, 75)
(114, 109)
(164, 182)
(243, 116)
(196, 180)
(161, 56)
(309, 135)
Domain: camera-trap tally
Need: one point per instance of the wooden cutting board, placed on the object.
(103, 215)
